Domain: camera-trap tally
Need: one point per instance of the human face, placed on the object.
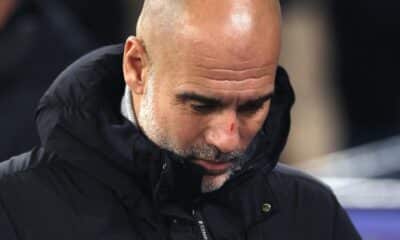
(208, 121)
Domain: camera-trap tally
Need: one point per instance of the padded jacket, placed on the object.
(96, 176)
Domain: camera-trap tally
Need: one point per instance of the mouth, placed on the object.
(214, 167)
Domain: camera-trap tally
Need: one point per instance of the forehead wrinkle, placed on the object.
(204, 51)
(232, 96)
(233, 74)
(213, 46)
(225, 86)
(243, 65)
(229, 79)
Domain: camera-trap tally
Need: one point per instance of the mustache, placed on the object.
(212, 153)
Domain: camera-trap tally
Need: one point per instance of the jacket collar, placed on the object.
(127, 106)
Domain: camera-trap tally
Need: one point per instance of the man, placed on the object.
(190, 152)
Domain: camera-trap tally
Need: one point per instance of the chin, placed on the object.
(212, 183)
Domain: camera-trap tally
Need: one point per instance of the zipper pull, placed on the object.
(203, 231)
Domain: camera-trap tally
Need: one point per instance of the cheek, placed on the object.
(183, 128)
(247, 133)
(189, 130)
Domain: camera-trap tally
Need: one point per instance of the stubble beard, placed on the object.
(154, 132)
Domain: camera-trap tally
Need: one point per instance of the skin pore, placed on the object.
(202, 74)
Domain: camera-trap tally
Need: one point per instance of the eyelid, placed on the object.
(257, 102)
(251, 107)
(193, 97)
(203, 108)
(201, 103)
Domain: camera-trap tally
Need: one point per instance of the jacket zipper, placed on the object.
(200, 221)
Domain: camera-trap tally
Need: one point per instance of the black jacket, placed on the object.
(96, 176)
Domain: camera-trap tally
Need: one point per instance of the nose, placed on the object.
(224, 133)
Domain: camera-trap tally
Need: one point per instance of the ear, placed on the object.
(135, 65)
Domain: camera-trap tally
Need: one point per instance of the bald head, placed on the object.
(166, 26)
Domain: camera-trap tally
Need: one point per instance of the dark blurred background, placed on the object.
(38, 39)
(343, 60)
(342, 57)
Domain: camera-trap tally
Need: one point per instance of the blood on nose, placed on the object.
(232, 127)
(224, 133)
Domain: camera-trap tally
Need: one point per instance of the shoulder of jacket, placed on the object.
(19, 183)
(290, 177)
(74, 85)
(25, 162)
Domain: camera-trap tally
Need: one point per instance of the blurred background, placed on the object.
(342, 57)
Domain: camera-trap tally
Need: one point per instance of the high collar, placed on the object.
(127, 106)
(79, 119)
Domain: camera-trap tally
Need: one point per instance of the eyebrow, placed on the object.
(192, 96)
(259, 100)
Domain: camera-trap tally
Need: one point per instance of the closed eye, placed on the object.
(204, 105)
(254, 106)
(251, 107)
(198, 103)
(203, 108)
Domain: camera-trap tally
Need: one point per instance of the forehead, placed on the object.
(225, 48)
(211, 70)
(208, 65)
(234, 51)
